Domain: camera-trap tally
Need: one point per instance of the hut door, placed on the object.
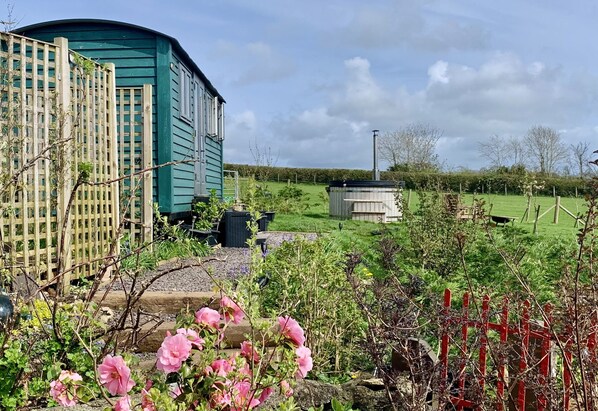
(200, 140)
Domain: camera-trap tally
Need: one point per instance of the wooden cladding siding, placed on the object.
(214, 167)
(183, 145)
(132, 51)
(143, 56)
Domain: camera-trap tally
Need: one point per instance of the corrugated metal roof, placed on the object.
(175, 43)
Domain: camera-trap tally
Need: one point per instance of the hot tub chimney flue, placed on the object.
(376, 171)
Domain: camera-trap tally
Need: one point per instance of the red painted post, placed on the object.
(444, 340)
(523, 355)
(504, 334)
(544, 359)
(483, 347)
(567, 376)
(463, 357)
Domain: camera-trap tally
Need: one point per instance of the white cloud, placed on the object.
(438, 72)
(503, 95)
(409, 23)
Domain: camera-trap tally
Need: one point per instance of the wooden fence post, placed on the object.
(148, 212)
(65, 154)
(557, 208)
(536, 219)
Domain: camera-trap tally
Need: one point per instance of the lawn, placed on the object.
(316, 219)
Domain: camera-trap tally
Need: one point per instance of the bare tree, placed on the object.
(515, 150)
(580, 156)
(412, 147)
(545, 149)
(494, 150)
(264, 160)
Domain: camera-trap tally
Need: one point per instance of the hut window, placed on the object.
(210, 107)
(185, 93)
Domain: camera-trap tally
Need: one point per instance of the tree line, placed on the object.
(541, 149)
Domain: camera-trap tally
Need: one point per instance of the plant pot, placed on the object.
(235, 231)
(262, 223)
(270, 215)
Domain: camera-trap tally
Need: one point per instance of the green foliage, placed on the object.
(466, 181)
(289, 199)
(307, 281)
(86, 65)
(170, 241)
(210, 212)
(53, 338)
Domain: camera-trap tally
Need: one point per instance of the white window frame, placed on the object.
(211, 118)
(185, 93)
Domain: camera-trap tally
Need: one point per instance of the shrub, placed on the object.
(307, 281)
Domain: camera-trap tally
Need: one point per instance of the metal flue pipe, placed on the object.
(376, 171)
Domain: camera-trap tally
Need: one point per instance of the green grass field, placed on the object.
(315, 218)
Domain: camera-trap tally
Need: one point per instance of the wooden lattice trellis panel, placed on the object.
(135, 154)
(57, 118)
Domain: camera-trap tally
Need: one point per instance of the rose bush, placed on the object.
(195, 373)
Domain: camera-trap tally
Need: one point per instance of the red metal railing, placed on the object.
(459, 330)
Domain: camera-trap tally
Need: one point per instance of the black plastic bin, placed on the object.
(235, 231)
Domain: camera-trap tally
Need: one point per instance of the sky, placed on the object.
(308, 80)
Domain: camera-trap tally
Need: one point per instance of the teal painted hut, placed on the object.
(187, 111)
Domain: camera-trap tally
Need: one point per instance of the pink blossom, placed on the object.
(243, 398)
(220, 398)
(285, 389)
(245, 370)
(208, 317)
(64, 389)
(193, 337)
(123, 404)
(249, 353)
(291, 330)
(175, 390)
(304, 361)
(266, 392)
(232, 312)
(115, 375)
(220, 367)
(175, 349)
(147, 404)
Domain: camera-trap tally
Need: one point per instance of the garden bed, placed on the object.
(226, 263)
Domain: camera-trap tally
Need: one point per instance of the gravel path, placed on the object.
(223, 264)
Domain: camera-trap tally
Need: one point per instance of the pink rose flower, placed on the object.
(64, 389)
(232, 312)
(249, 353)
(220, 367)
(123, 404)
(175, 390)
(291, 330)
(208, 317)
(304, 361)
(285, 389)
(220, 399)
(147, 404)
(193, 337)
(266, 393)
(175, 349)
(115, 375)
(243, 398)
